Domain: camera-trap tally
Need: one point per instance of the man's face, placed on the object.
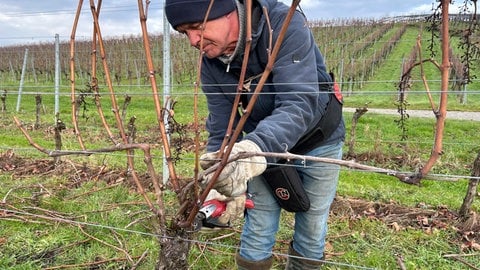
(220, 35)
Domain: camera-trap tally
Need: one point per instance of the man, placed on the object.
(293, 100)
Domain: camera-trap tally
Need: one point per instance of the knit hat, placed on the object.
(193, 11)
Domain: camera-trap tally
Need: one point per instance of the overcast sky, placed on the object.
(34, 21)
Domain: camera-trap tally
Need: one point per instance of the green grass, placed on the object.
(459, 142)
(36, 242)
(352, 241)
(377, 246)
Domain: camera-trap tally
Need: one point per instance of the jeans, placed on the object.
(262, 222)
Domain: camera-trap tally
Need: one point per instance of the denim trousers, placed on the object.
(262, 222)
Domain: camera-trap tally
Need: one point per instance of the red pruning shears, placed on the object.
(211, 210)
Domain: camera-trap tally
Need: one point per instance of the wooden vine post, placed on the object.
(464, 211)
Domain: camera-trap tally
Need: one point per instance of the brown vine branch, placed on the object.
(94, 83)
(442, 112)
(243, 119)
(248, 43)
(158, 211)
(235, 105)
(422, 73)
(404, 177)
(186, 203)
(158, 108)
(115, 109)
(458, 257)
(72, 75)
(106, 68)
(236, 102)
(127, 255)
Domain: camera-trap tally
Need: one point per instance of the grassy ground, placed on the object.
(77, 215)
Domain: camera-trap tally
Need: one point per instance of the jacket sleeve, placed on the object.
(295, 78)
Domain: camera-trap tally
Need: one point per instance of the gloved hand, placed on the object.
(235, 207)
(232, 182)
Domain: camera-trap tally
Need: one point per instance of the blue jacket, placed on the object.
(290, 103)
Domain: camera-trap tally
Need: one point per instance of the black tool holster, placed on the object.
(287, 188)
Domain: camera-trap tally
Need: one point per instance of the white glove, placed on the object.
(235, 207)
(232, 182)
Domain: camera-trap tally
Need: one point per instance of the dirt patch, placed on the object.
(76, 174)
(400, 217)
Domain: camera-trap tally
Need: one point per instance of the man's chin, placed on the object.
(210, 52)
(210, 55)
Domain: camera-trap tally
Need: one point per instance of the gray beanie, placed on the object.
(193, 11)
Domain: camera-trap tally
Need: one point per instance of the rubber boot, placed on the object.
(244, 264)
(296, 262)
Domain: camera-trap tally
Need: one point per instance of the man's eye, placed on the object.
(197, 26)
(191, 27)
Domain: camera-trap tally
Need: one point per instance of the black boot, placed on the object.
(244, 264)
(296, 261)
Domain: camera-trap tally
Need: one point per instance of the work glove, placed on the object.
(232, 182)
(235, 207)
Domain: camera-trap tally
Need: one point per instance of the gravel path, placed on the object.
(472, 116)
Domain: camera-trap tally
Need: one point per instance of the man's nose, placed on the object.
(194, 37)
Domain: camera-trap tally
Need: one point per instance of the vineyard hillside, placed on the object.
(365, 55)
